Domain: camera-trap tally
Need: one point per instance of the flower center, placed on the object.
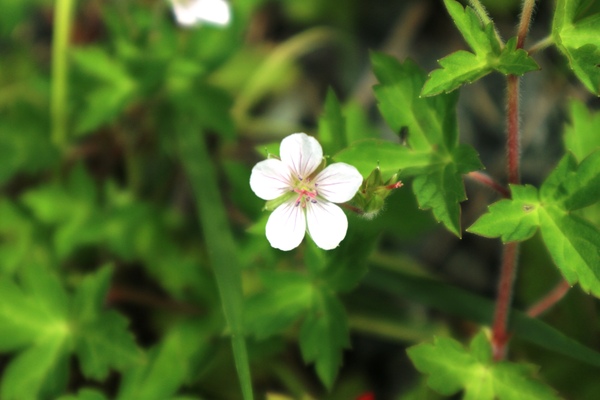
(307, 191)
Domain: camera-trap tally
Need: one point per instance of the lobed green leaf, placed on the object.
(512, 220)
(488, 54)
(432, 154)
(451, 368)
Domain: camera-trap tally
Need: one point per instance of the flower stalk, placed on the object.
(63, 15)
(500, 335)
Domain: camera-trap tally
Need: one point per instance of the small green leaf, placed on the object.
(464, 67)
(479, 37)
(324, 336)
(332, 125)
(457, 69)
(451, 368)
(577, 39)
(513, 61)
(512, 220)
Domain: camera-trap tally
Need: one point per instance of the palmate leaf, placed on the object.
(452, 368)
(577, 39)
(488, 54)
(573, 242)
(38, 317)
(34, 317)
(432, 154)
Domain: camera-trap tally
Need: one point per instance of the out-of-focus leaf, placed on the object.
(581, 136)
(287, 297)
(114, 91)
(34, 315)
(324, 336)
(332, 125)
(576, 38)
(169, 366)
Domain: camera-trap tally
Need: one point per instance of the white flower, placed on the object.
(195, 12)
(307, 195)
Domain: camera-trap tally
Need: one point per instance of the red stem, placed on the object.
(549, 300)
(513, 141)
(490, 182)
(500, 334)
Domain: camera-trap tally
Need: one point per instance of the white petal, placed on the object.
(270, 179)
(302, 153)
(212, 11)
(286, 226)
(338, 182)
(194, 12)
(327, 224)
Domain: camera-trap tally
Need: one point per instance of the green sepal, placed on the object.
(273, 204)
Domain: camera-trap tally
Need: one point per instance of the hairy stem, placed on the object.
(481, 11)
(546, 302)
(526, 14)
(488, 181)
(60, 71)
(513, 149)
(500, 334)
(541, 45)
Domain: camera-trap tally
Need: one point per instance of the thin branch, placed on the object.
(541, 45)
(500, 334)
(490, 182)
(548, 301)
(526, 14)
(513, 135)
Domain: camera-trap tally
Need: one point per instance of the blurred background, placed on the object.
(107, 185)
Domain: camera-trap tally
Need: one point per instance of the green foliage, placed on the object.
(575, 36)
(432, 154)
(133, 262)
(46, 325)
(488, 54)
(572, 241)
(452, 368)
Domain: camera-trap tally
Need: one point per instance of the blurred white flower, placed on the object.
(304, 194)
(196, 12)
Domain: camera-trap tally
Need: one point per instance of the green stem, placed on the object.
(63, 14)
(541, 45)
(219, 241)
(481, 11)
